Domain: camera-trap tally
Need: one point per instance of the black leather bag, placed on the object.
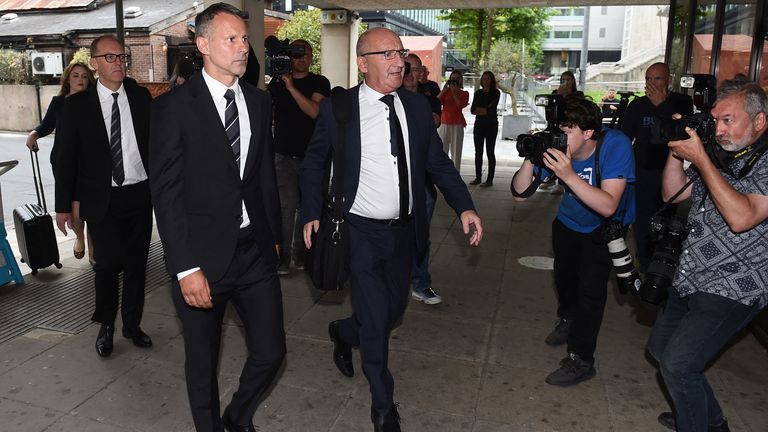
(328, 259)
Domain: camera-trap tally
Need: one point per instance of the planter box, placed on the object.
(514, 125)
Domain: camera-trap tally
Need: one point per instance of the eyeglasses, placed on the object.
(389, 54)
(111, 58)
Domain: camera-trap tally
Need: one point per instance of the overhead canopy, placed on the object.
(367, 5)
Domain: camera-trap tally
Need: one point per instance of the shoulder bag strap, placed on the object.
(342, 106)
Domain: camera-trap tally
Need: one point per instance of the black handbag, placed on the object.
(328, 259)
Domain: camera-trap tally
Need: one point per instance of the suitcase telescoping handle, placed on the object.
(38, 178)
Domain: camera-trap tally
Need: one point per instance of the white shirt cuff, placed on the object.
(183, 274)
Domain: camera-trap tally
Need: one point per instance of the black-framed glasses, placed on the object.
(111, 58)
(389, 54)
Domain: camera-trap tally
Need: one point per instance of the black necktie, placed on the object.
(397, 147)
(118, 173)
(232, 124)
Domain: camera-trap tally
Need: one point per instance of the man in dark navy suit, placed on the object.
(218, 214)
(392, 144)
(102, 163)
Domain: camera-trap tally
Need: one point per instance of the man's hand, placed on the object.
(470, 221)
(559, 163)
(309, 228)
(195, 290)
(32, 141)
(288, 80)
(657, 95)
(64, 220)
(691, 149)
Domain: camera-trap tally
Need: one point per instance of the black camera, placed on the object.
(534, 146)
(611, 233)
(670, 232)
(664, 131)
(279, 55)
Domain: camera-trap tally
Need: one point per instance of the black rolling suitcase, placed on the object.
(34, 228)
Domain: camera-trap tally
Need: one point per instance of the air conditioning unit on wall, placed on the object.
(46, 63)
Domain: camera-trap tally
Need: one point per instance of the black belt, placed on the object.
(390, 222)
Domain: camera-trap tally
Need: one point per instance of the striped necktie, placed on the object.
(232, 124)
(115, 147)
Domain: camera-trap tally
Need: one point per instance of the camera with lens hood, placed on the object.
(533, 146)
(611, 233)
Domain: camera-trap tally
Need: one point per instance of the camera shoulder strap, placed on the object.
(531, 188)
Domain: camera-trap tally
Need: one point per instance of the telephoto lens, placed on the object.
(611, 232)
(661, 269)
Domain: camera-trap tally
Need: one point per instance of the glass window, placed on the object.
(576, 34)
(680, 26)
(736, 47)
(703, 35)
(604, 10)
(562, 34)
(578, 12)
(602, 32)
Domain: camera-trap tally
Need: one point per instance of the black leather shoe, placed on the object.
(230, 426)
(342, 351)
(389, 422)
(667, 419)
(104, 342)
(139, 338)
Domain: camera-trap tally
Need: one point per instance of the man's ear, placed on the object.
(202, 45)
(362, 64)
(589, 133)
(759, 122)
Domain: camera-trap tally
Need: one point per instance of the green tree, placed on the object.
(13, 67)
(304, 24)
(476, 37)
(509, 60)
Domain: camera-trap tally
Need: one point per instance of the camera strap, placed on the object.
(533, 186)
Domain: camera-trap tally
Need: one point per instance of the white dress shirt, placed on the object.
(133, 167)
(217, 91)
(378, 193)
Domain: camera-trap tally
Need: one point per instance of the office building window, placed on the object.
(602, 32)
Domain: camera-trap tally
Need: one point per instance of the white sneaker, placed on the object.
(429, 296)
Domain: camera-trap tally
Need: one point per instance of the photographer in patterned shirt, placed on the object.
(721, 282)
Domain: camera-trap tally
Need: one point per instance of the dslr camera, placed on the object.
(669, 233)
(533, 146)
(704, 91)
(611, 233)
(279, 55)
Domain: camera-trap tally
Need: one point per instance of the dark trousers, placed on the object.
(485, 133)
(380, 268)
(121, 244)
(648, 199)
(288, 171)
(582, 268)
(252, 286)
(688, 334)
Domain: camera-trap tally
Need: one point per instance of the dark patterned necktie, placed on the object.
(232, 124)
(397, 148)
(115, 146)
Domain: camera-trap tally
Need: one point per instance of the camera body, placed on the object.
(664, 131)
(279, 54)
(670, 233)
(533, 146)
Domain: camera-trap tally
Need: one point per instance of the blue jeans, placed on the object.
(421, 277)
(688, 334)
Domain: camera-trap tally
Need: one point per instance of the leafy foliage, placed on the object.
(476, 37)
(13, 67)
(304, 24)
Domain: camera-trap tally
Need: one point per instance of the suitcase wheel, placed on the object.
(58, 265)
(22, 260)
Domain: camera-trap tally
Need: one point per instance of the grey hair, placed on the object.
(754, 96)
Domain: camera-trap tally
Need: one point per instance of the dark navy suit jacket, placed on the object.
(426, 157)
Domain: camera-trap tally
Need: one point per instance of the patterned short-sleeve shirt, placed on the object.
(718, 261)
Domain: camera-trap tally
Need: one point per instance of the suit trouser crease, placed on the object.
(121, 244)
(582, 268)
(380, 264)
(252, 285)
(485, 134)
(288, 171)
(688, 335)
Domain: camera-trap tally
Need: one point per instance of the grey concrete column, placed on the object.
(339, 61)
(255, 9)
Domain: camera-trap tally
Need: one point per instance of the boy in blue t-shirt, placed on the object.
(582, 266)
